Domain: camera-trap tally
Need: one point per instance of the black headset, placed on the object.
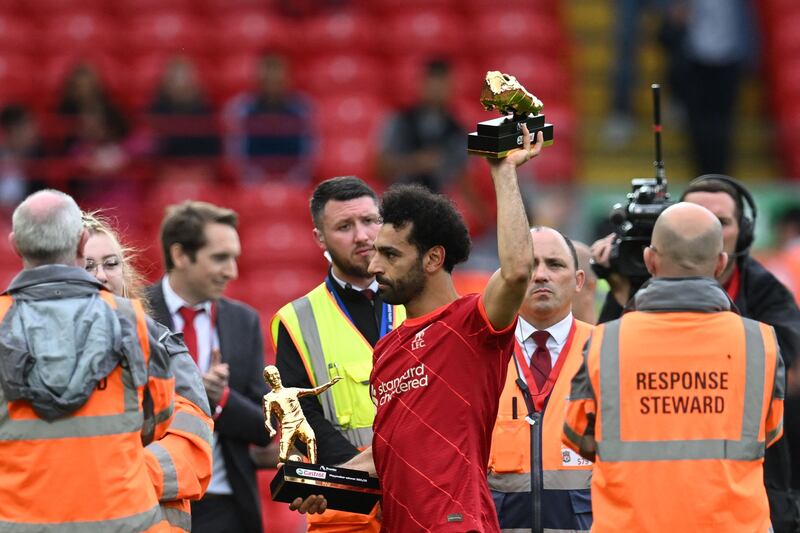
(747, 223)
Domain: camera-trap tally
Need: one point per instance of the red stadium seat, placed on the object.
(347, 155)
(17, 35)
(47, 8)
(516, 29)
(272, 202)
(344, 31)
(424, 32)
(169, 33)
(129, 8)
(326, 74)
(79, 32)
(274, 243)
(350, 114)
(253, 31)
(388, 7)
(233, 74)
(220, 7)
(267, 287)
(19, 80)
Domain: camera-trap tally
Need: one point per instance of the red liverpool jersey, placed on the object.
(436, 381)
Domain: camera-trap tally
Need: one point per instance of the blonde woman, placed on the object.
(179, 463)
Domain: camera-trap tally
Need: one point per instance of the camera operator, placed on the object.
(756, 293)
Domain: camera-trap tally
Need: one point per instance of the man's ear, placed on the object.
(434, 259)
(722, 262)
(177, 255)
(650, 261)
(319, 238)
(580, 279)
(82, 243)
(13, 244)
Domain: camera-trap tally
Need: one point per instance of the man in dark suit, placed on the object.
(201, 246)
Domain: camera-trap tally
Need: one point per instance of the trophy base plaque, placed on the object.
(348, 490)
(497, 137)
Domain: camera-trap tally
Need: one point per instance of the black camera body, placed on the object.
(634, 226)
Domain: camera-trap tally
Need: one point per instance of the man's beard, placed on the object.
(402, 291)
(350, 268)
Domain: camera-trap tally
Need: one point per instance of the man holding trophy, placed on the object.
(437, 378)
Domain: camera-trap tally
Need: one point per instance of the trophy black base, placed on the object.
(497, 137)
(347, 490)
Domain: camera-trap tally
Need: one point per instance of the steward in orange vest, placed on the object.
(677, 401)
(539, 485)
(84, 381)
(180, 462)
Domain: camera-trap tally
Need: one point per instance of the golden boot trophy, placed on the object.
(497, 137)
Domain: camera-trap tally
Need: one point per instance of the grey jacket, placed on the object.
(59, 339)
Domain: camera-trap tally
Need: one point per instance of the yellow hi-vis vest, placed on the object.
(330, 345)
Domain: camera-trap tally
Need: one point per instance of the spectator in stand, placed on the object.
(269, 130)
(20, 151)
(99, 145)
(182, 118)
(425, 144)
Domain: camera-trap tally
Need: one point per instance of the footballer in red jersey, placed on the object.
(437, 378)
(436, 381)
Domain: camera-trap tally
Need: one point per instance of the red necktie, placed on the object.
(189, 331)
(369, 294)
(540, 359)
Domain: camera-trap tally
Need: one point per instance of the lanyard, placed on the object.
(387, 311)
(539, 397)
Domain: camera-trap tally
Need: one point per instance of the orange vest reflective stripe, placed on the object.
(683, 415)
(99, 446)
(510, 461)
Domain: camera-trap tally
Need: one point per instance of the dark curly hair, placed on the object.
(434, 219)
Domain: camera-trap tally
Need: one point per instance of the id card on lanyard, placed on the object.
(539, 397)
(387, 311)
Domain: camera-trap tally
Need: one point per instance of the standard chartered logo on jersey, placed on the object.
(414, 378)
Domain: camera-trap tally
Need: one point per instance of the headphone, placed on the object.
(747, 223)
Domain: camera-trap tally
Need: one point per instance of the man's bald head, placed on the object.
(47, 228)
(687, 241)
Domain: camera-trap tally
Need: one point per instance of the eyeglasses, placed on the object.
(111, 264)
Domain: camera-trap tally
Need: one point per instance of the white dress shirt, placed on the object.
(555, 343)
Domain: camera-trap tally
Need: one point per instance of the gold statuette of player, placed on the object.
(284, 403)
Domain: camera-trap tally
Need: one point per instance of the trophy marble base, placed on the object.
(348, 490)
(497, 137)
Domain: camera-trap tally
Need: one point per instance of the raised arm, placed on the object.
(318, 390)
(506, 288)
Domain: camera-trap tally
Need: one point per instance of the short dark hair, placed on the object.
(341, 189)
(185, 224)
(711, 184)
(434, 220)
(572, 251)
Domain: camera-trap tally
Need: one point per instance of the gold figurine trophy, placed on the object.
(497, 137)
(346, 490)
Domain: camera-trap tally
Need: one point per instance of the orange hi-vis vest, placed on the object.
(682, 405)
(180, 463)
(538, 484)
(97, 447)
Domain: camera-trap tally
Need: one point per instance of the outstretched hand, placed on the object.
(521, 155)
